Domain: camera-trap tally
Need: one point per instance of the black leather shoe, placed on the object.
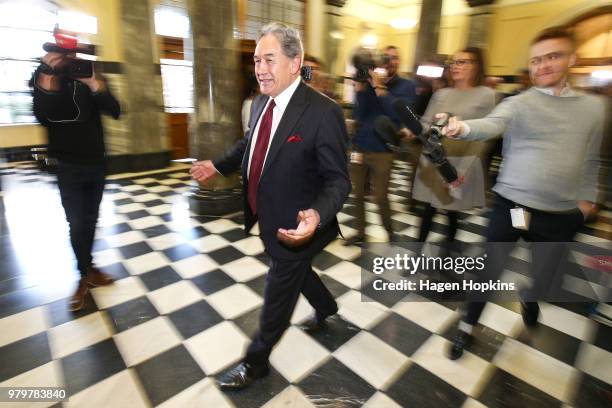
(530, 312)
(461, 341)
(241, 377)
(313, 324)
(357, 239)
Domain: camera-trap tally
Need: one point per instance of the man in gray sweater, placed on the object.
(547, 184)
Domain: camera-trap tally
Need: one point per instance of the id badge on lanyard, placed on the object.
(520, 218)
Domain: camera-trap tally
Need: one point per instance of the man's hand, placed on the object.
(308, 221)
(588, 208)
(203, 170)
(377, 80)
(94, 84)
(454, 128)
(457, 183)
(406, 134)
(50, 82)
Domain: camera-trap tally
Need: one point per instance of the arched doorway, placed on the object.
(593, 32)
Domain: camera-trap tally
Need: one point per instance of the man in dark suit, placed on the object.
(295, 180)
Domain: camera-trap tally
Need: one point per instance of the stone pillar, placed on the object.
(331, 24)
(315, 32)
(480, 19)
(138, 141)
(215, 124)
(429, 28)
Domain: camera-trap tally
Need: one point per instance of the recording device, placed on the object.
(306, 73)
(365, 60)
(71, 67)
(431, 140)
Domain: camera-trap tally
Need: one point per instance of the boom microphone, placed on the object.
(386, 129)
(405, 115)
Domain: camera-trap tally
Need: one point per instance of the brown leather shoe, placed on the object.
(95, 277)
(77, 301)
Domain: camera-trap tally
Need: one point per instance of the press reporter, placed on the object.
(552, 136)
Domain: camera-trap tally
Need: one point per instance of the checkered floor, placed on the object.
(188, 296)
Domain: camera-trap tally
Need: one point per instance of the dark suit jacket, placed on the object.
(307, 171)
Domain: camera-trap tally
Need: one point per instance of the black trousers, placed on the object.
(427, 220)
(81, 188)
(284, 283)
(544, 228)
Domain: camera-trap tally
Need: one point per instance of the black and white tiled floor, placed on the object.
(188, 296)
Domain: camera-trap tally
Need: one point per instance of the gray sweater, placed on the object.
(551, 148)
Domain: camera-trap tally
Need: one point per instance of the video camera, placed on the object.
(364, 60)
(71, 67)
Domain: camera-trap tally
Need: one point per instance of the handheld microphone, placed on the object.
(388, 133)
(386, 129)
(431, 149)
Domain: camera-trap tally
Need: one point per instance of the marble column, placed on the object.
(215, 125)
(480, 20)
(139, 138)
(331, 24)
(429, 28)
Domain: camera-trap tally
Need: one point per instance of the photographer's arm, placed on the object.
(489, 127)
(404, 90)
(107, 103)
(104, 99)
(45, 95)
(366, 103)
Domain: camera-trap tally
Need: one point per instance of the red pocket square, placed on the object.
(294, 138)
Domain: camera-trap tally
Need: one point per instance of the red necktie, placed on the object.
(259, 155)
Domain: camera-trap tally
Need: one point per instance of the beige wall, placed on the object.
(109, 25)
(22, 135)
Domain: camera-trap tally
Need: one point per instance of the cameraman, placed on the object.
(70, 110)
(370, 154)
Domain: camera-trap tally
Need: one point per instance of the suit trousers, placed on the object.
(378, 167)
(284, 283)
(547, 232)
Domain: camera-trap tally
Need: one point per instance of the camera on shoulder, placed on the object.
(365, 59)
(70, 66)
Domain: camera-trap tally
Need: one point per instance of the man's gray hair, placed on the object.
(289, 38)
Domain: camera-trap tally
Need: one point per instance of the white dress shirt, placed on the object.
(281, 100)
